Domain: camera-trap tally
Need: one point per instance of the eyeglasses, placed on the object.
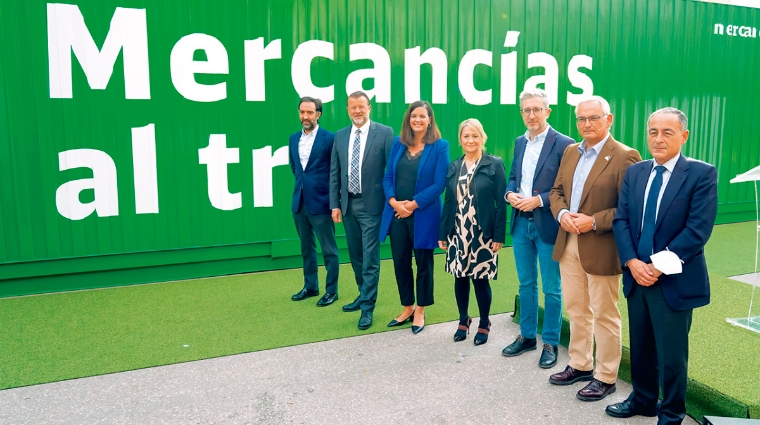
(527, 111)
(592, 119)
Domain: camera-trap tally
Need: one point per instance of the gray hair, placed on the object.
(604, 104)
(531, 93)
(677, 112)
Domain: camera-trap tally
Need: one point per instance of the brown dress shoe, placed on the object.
(571, 376)
(595, 391)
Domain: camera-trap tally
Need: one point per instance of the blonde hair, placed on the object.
(474, 124)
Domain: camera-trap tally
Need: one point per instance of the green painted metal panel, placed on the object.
(640, 55)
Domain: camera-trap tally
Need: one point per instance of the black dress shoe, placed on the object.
(595, 391)
(520, 346)
(353, 306)
(327, 299)
(305, 293)
(571, 376)
(548, 357)
(418, 329)
(366, 320)
(394, 322)
(626, 409)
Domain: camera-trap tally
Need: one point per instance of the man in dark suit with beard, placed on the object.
(310, 156)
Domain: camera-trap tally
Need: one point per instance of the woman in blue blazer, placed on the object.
(413, 183)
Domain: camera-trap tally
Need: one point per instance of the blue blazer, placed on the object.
(685, 221)
(431, 180)
(314, 181)
(543, 180)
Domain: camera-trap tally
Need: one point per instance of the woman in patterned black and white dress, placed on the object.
(473, 225)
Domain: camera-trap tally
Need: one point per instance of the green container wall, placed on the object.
(646, 55)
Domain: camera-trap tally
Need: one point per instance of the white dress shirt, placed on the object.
(305, 144)
(530, 161)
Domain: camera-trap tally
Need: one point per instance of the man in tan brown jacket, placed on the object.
(584, 199)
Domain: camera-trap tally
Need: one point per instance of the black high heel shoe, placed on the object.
(462, 331)
(482, 336)
(418, 329)
(394, 323)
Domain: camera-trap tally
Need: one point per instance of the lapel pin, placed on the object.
(607, 157)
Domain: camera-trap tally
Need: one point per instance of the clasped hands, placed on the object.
(522, 203)
(576, 222)
(403, 209)
(644, 273)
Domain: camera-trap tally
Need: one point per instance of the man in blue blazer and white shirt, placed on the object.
(310, 156)
(359, 156)
(536, 160)
(667, 208)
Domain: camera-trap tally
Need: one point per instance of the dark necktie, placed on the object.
(646, 241)
(353, 172)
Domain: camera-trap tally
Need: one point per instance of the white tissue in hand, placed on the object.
(667, 262)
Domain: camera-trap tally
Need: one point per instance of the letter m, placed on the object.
(128, 32)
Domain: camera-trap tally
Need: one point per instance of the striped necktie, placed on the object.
(353, 175)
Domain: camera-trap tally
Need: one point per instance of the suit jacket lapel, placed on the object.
(425, 154)
(371, 133)
(601, 162)
(680, 173)
(319, 139)
(548, 144)
(637, 199)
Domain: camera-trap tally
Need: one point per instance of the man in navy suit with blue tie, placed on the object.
(536, 160)
(310, 156)
(665, 215)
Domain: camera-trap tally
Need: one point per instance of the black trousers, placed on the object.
(659, 352)
(482, 294)
(402, 245)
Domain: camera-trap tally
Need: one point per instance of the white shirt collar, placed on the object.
(313, 132)
(363, 129)
(669, 164)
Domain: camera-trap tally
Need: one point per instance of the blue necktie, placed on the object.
(646, 241)
(353, 174)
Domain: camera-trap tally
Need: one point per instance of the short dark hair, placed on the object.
(407, 135)
(356, 95)
(317, 103)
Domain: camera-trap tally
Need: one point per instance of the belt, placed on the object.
(354, 195)
(525, 214)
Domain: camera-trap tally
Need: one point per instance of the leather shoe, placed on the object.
(548, 357)
(303, 294)
(626, 409)
(327, 299)
(595, 391)
(366, 320)
(353, 306)
(520, 346)
(571, 376)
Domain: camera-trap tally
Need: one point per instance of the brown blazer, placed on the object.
(597, 249)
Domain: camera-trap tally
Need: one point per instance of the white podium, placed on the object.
(752, 321)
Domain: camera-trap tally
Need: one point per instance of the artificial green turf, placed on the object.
(724, 360)
(69, 335)
(61, 336)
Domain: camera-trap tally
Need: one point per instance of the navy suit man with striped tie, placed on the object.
(667, 208)
(359, 156)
